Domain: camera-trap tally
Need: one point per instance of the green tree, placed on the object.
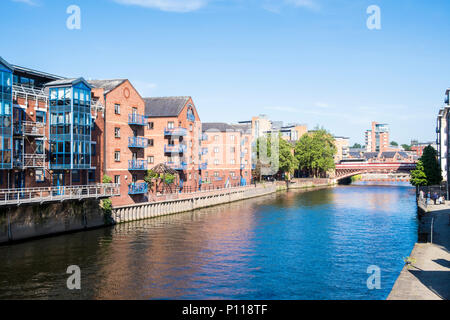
(418, 176)
(150, 176)
(431, 166)
(315, 152)
(107, 179)
(406, 147)
(287, 162)
(357, 146)
(394, 144)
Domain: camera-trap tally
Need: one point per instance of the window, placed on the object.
(75, 176)
(40, 175)
(39, 146)
(233, 174)
(216, 162)
(190, 176)
(233, 138)
(232, 161)
(117, 132)
(191, 127)
(150, 142)
(216, 174)
(40, 116)
(91, 175)
(216, 150)
(117, 108)
(170, 125)
(150, 125)
(117, 179)
(93, 149)
(117, 156)
(151, 159)
(233, 149)
(216, 138)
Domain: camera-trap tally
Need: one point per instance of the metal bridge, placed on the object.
(350, 169)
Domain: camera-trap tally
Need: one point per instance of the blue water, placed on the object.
(299, 245)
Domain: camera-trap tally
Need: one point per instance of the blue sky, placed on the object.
(306, 61)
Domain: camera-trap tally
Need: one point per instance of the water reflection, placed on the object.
(295, 245)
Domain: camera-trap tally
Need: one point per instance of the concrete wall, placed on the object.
(19, 223)
(197, 201)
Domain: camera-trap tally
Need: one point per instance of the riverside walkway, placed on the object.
(428, 278)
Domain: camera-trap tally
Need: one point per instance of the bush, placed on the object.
(106, 206)
(107, 179)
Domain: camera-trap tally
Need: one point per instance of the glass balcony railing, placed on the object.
(180, 148)
(203, 166)
(138, 188)
(137, 142)
(177, 165)
(177, 132)
(136, 119)
(137, 165)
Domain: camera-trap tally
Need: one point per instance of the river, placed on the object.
(295, 245)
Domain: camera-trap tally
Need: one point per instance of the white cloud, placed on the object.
(167, 5)
(276, 6)
(28, 2)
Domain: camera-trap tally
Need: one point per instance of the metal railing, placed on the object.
(59, 193)
(28, 128)
(30, 161)
(137, 142)
(180, 132)
(136, 119)
(137, 165)
(177, 166)
(180, 148)
(137, 188)
(34, 93)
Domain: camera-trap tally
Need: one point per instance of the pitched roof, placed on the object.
(389, 154)
(164, 106)
(218, 127)
(354, 154)
(107, 85)
(66, 82)
(370, 155)
(4, 62)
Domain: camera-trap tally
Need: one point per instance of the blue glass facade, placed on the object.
(70, 126)
(5, 117)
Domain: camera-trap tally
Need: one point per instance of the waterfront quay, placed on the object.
(428, 276)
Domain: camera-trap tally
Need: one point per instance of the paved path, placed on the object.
(429, 277)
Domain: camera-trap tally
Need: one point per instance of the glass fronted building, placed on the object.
(6, 74)
(70, 124)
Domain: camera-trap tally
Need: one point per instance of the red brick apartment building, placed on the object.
(119, 141)
(175, 130)
(227, 149)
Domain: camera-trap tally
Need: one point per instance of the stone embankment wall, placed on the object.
(31, 221)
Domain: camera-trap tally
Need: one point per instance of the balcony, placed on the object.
(180, 148)
(137, 142)
(203, 152)
(137, 188)
(33, 129)
(177, 166)
(218, 179)
(203, 166)
(137, 165)
(136, 119)
(30, 161)
(61, 193)
(175, 132)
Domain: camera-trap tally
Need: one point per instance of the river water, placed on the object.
(296, 245)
